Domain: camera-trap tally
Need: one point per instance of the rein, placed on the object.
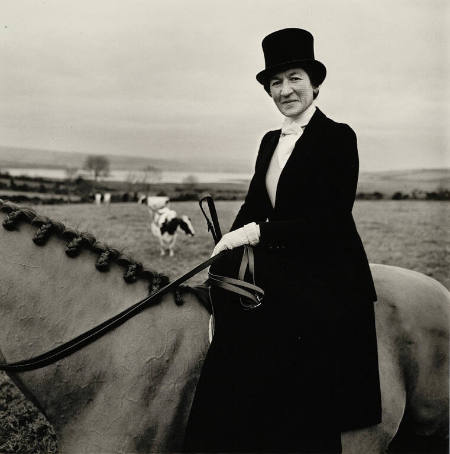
(251, 291)
(244, 289)
(75, 344)
(248, 260)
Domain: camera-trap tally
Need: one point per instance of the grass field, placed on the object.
(409, 234)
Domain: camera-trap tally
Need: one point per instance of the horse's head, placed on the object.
(185, 224)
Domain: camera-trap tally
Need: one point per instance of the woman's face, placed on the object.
(292, 91)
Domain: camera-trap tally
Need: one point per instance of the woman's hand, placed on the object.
(249, 234)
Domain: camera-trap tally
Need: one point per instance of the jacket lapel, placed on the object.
(268, 151)
(266, 156)
(303, 148)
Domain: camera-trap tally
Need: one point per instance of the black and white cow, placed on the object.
(153, 202)
(166, 228)
(165, 224)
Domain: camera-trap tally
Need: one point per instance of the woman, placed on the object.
(293, 373)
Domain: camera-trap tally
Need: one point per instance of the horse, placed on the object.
(131, 390)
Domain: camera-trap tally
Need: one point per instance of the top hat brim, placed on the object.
(316, 70)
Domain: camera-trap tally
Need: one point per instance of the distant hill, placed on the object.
(38, 158)
(405, 181)
(386, 182)
(34, 158)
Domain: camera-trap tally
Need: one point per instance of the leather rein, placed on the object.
(225, 282)
(244, 289)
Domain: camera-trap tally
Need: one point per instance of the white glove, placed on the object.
(249, 234)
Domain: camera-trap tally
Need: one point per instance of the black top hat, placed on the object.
(288, 48)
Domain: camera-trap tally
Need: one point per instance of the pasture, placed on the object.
(410, 234)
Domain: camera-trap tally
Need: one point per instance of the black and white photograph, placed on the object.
(224, 226)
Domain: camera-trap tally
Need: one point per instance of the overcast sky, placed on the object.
(176, 78)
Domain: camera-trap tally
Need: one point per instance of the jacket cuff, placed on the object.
(252, 232)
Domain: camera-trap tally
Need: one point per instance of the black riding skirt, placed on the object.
(274, 377)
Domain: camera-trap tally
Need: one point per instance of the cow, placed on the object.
(153, 202)
(165, 226)
(165, 223)
(100, 197)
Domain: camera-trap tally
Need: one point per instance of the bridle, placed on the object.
(241, 287)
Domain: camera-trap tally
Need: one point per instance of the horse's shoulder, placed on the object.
(395, 281)
(410, 303)
(413, 330)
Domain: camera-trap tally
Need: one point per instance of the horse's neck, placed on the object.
(47, 298)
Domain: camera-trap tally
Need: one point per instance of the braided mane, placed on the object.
(77, 241)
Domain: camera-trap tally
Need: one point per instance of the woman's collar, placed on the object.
(303, 119)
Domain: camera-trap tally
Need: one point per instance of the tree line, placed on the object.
(75, 188)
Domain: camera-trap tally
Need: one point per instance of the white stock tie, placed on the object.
(292, 128)
(289, 135)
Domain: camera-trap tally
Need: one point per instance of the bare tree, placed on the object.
(150, 175)
(71, 172)
(99, 165)
(143, 179)
(190, 180)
